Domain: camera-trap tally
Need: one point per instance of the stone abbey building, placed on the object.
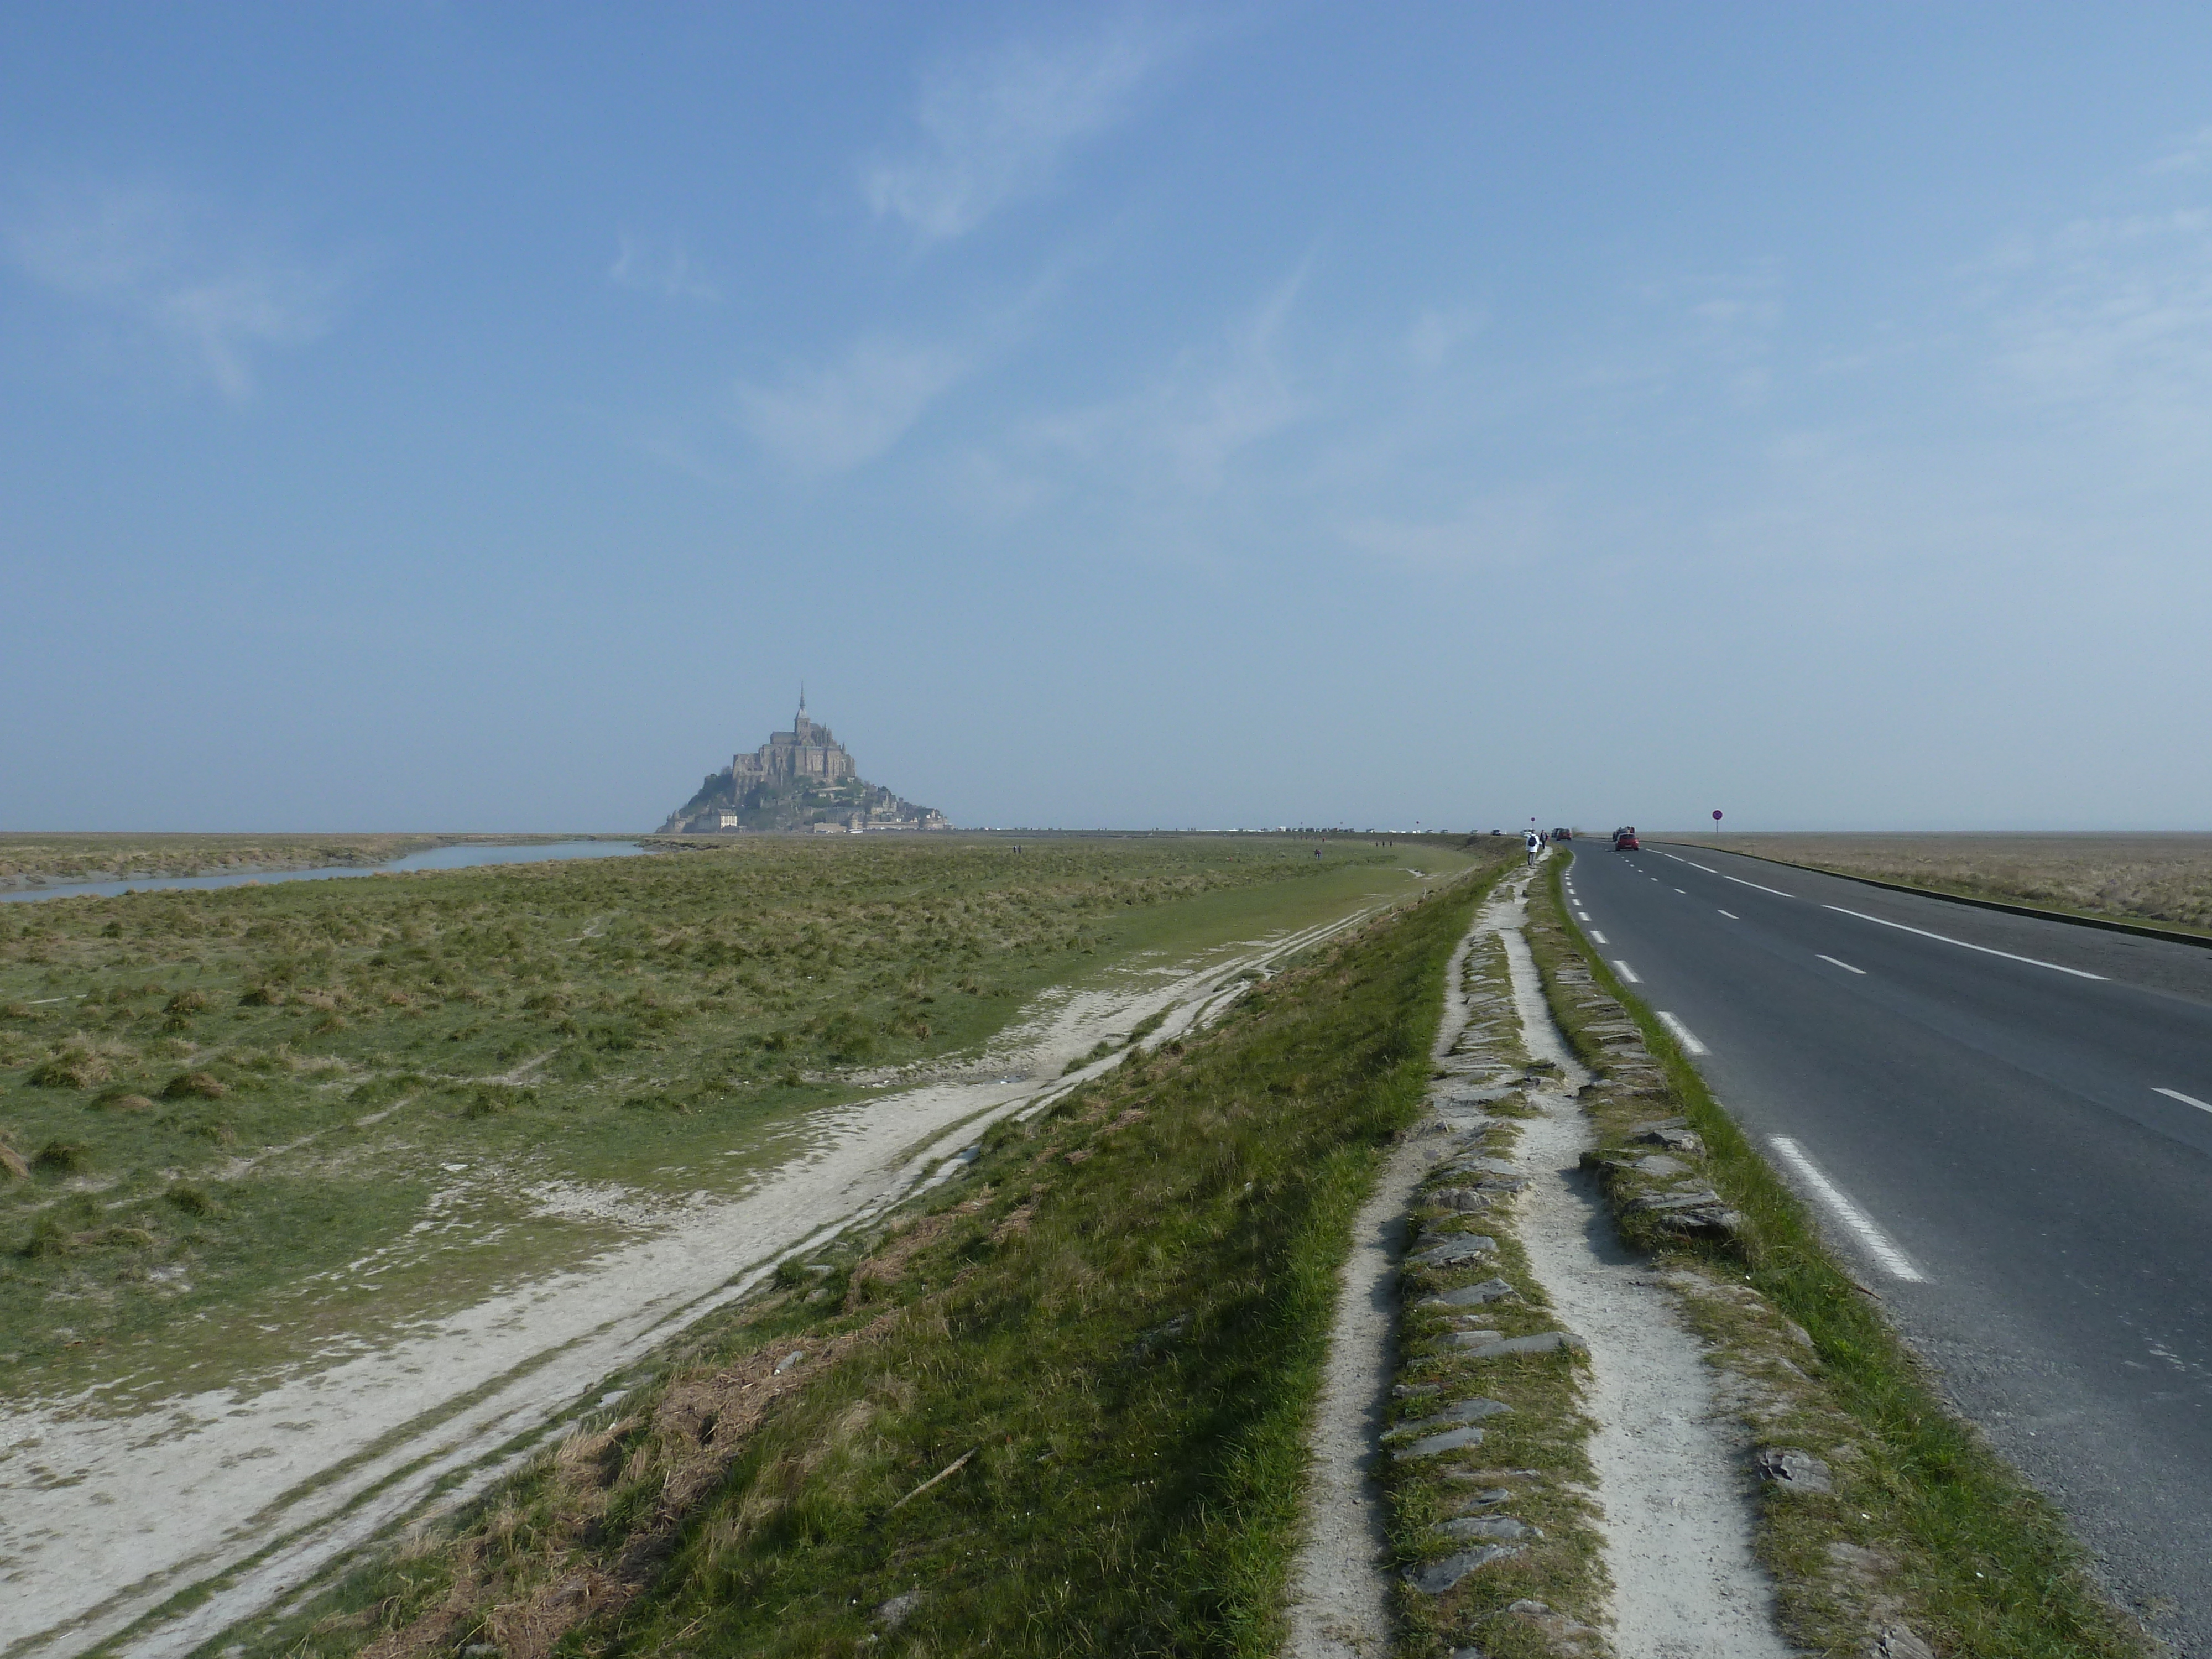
(799, 781)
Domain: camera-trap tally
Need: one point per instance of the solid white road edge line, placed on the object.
(1839, 962)
(1682, 1034)
(2186, 1100)
(1741, 882)
(1987, 950)
(1879, 1245)
(1596, 936)
(1627, 973)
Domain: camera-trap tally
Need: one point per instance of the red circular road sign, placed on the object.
(1716, 815)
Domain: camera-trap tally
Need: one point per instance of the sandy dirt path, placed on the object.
(105, 1516)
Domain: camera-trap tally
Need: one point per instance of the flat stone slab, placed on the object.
(1465, 1410)
(1673, 1201)
(1490, 1528)
(1495, 1166)
(1473, 1339)
(1658, 1163)
(1471, 1296)
(1542, 1342)
(1489, 1499)
(1460, 1247)
(1460, 1198)
(1438, 1576)
(1431, 1445)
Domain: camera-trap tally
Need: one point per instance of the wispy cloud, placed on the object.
(657, 267)
(1437, 335)
(2190, 155)
(169, 265)
(2113, 314)
(1183, 430)
(994, 128)
(821, 420)
(1496, 530)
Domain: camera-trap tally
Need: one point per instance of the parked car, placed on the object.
(1624, 840)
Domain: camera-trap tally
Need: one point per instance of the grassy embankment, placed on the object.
(2163, 879)
(1926, 1527)
(1060, 1407)
(661, 1024)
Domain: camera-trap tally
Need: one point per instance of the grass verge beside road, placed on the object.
(1058, 1406)
(1925, 1525)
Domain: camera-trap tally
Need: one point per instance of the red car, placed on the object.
(1624, 840)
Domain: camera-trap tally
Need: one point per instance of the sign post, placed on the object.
(1717, 820)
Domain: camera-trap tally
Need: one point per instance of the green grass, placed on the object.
(1117, 1318)
(667, 1023)
(1981, 1563)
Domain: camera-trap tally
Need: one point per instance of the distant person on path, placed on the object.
(1535, 844)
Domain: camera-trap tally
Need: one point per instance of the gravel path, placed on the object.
(1671, 1467)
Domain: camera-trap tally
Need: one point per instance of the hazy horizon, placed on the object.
(486, 418)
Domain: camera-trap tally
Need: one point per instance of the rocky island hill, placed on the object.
(799, 781)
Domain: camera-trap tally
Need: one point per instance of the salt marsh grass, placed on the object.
(361, 1079)
(2165, 879)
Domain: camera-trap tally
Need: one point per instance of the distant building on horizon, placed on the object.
(803, 781)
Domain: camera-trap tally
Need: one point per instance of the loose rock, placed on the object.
(1449, 1440)
(1543, 1342)
(1465, 1410)
(1793, 1469)
(894, 1611)
(1480, 1339)
(1489, 1528)
(1438, 1576)
(1898, 1643)
(1471, 1296)
(1460, 1198)
(1461, 1247)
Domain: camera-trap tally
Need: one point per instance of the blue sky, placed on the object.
(445, 416)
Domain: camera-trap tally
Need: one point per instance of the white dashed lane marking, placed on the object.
(1839, 962)
(1683, 1034)
(1945, 938)
(1879, 1244)
(1596, 936)
(2186, 1100)
(1626, 973)
(1732, 915)
(1741, 882)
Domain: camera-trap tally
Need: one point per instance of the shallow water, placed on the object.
(438, 858)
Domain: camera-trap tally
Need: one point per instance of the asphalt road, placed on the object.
(2008, 1129)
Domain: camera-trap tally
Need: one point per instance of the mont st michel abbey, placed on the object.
(799, 781)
